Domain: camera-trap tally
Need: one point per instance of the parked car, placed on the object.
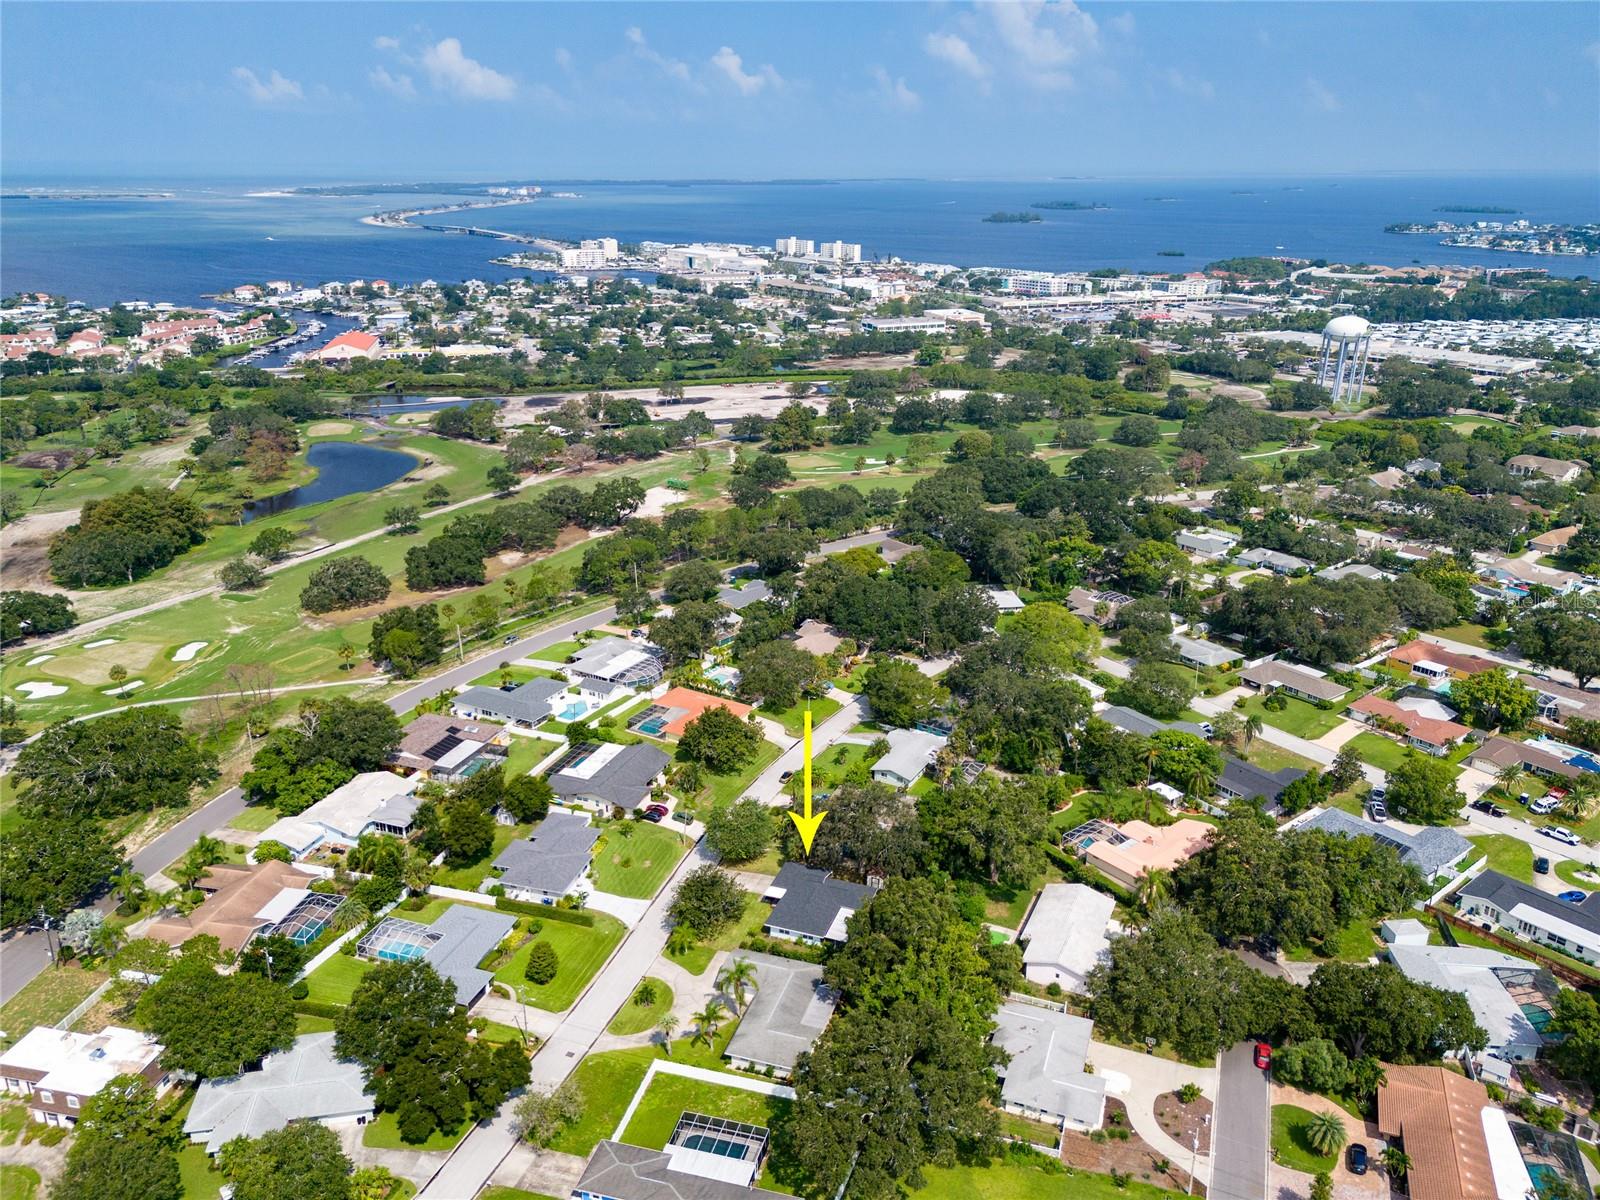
(1565, 836)
(1356, 1158)
(653, 817)
(1541, 866)
(683, 818)
(509, 638)
(1487, 806)
(1574, 896)
(1263, 1055)
(1205, 728)
(660, 810)
(1544, 805)
(1377, 811)
(785, 777)
(1378, 793)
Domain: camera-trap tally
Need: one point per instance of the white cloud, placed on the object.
(894, 91)
(958, 52)
(749, 83)
(275, 89)
(676, 68)
(1044, 39)
(398, 85)
(1322, 99)
(384, 42)
(564, 58)
(1122, 23)
(1190, 85)
(452, 71)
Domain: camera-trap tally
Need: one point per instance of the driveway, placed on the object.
(1242, 1139)
(1137, 1079)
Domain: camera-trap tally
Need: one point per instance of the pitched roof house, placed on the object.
(1067, 934)
(306, 1082)
(810, 905)
(1296, 681)
(608, 775)
(59, 1070)
(1046, 1078)
(372, 802)
(1443, 1121)
(527, 705)
(550, 862)
(1431, 734)
(790, 1009)
(242, 902)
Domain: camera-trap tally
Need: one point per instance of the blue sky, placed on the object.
(762, 90)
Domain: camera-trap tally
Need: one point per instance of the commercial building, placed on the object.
(922, 324)
(1067, 934)
(845, 252)
(1432, 849)
(787, 1014)
(811, 906)
(373, 802)
(1047, 1077)
(911, 752)
(347, 346)
(306, 1082)
(528, 705)
(1524, 911)
(246, 902)
(606, 776)
(550, 862)
(59, 1070)
(794, 247)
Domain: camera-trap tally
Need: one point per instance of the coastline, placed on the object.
(401, 218)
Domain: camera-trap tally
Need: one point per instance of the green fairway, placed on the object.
(580, 950)
(634, 858)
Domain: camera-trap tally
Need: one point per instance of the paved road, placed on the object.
(1242, 1135)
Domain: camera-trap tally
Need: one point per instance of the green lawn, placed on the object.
(525, 753)
(607, 1082)
(383, 1133)
(1289, 1145)
(793, 719)
(634, 1017)
(580, 951)
(511, 1193)
(1579, 875)
(559, 652)
(200, 1180)
(1508, 855)
(1355, 942)
(725, 789)
(670, 1096)
(305, 1023)
(20, 1183)
(334, 982)
(1301, 719)
(254, 819)
(517, 675)
(468, 878)
(697, 958)
(47, 998)
(1379, 751)
(637, 864)
(1007, 1179)
(1473, 635)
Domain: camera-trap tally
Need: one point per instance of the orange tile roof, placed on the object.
(1430, 729)
(1419, 651)
(1437, 1115)
(695, 703)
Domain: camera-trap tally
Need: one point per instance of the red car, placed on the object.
(1263, 1055)
(660, 810)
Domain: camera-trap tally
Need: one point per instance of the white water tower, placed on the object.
(1342, 369)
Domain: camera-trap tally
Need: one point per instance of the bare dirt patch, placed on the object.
(25, 548)
(44, 460)
(329, 428)
(1130, 1156)
(1182, 1121)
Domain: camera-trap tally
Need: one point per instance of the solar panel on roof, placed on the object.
(442, 747)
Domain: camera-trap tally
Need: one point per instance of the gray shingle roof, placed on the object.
(531, 702)
(1431, 849)
(624, 780)
(552, 857)
(467, 934)
(790, 1010)
(1506, 893)
(1131, 720)
(1048, 1050)
(303, 1083)
(750, 593)
(813, 901)
(1246, 779)
(622, 1172)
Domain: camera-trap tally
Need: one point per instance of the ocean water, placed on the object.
(210, 236)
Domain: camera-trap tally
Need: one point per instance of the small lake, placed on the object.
(343, 468)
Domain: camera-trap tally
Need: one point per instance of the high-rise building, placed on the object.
(840, 251)
(794, 247)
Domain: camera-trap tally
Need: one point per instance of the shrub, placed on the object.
(543, 963)
(570, 916)
(300, 990)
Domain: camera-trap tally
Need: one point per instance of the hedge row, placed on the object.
(319, 1008)
(571, 916)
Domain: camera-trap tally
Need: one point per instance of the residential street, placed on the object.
(1242, 1136)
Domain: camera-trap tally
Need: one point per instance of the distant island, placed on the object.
(1012, 218)
(1489, 209)
(1069, 205)
(1169, 253)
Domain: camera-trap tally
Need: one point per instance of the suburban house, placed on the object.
(1497, 753)
(1517, 577)
(810, 905)
(1205, 543)
(1557, 702)
(911, 752)
(550, 862)
(1423, 466)
(1553, 541)
(618, 1171)
(1047, 1077)
(1275, 561)
(1241, 780)
(528, 705)
(1199, 653)
(453, 945)
(373, 802)
(1499, 988)
(244, 903)
(1131, 720)
(303, 1083)
(447, 749)
(1525, 466)
(1460, 1145)
(1067, 934)
(675, 708)
(1354, 571)
(1432, 849)
(1432, 734)
(1099, 608)
(58, 1070)
(1126, 853)
(1005, 600)
(604, 776)
(736, 598)
(790, 1009)
(1294, 681)
(617, 660)
(1435, 663)
(1524, 911)
(816, 638)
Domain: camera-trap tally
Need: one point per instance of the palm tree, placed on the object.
(738, 978)
(1583, 796)
(418, 872)
(374, 854)
(707, 1021)
(1326, 1134)
(106, 940)
(1508, 777)
(206, 851)
(350, 914)
(1395, 1161)
(680, 940)
(1155, 889)
(1253, 725)
(665, 1026)
(128, 886)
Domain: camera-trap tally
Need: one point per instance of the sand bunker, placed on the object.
(656, 501)
(39, 690)
(329, 428)
(188, 650)
(97, 644)
(37, 659)
(125, 688)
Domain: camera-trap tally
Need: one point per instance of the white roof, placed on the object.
(1470, 971)
(281, 905)
(1511, 1178)
(349, 809)
(1068, 927)
(80, 1064)
(1005, 599)
(590, 766)
(910, 751)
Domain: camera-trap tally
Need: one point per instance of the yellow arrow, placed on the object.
(807, 825)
